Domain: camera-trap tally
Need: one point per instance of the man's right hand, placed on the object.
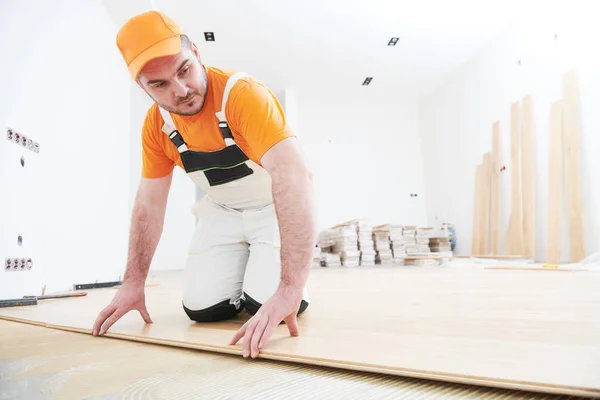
(146, 227)
(128, 298)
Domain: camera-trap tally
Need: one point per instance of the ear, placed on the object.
(196, 52)
(139, 83)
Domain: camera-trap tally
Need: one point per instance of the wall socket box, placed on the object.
(17, 264)
(22, 140)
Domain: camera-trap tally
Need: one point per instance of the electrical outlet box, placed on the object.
(22, 173)
(22, 140)
(17, 264)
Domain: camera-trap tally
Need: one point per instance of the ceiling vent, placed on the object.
(209, 36)
(367, 81)
(393, 41)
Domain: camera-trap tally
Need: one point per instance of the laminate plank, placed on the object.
(495, 191)
(484, 229)
(555, 185)
(476, 326)
(514, 236)
(528, 177)
(70, 366)
(573, 186)
(476, 238)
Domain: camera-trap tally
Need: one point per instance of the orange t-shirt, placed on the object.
(254, 114)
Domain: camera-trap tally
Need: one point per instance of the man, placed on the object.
(256, 227)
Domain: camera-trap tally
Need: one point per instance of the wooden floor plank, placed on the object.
(514, 236)
(70, 366)
(528, 177)
(474, 326)
(572, 144)
(555, 185)
(495, 190)
(484, 221)
(476, 239)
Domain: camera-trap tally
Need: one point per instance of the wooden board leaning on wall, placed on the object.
(564, 173)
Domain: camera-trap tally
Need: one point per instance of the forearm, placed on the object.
(296, 210)
(146, 228)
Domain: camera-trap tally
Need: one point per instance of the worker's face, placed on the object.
(177, 83)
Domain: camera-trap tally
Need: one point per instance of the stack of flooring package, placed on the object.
(366, 243)
(381, 238)
(352, 241)
(409, 235)
(326, 242)
(346, 244)
(416, 240)
(398, 244)
(440, 244)
(422, 238)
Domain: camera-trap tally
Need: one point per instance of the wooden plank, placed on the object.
(573, 166)
(514, 236)
(476, 210)
(555, 184)
(528, 177)
(485, 205)
(460, 325)
(75, 366)
(431, 256)
(495, 191)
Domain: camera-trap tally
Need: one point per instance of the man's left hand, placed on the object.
(282, 306)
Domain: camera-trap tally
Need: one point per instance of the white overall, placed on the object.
(235, 251)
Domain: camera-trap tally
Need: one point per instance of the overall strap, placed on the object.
(171, 131)
(223, 125)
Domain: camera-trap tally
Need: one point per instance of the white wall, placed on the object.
(364, 147)
(289, 100)
(456, 120)
(64, 86)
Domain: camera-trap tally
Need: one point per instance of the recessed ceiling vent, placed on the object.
(209, 36)
(367, 81)
(393, 41)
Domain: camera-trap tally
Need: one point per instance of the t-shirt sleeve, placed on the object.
(257, 115)
(155, 162)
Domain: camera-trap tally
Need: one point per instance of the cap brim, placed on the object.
(164, 48)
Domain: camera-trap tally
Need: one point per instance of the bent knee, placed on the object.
(217, 312)
(252, 305)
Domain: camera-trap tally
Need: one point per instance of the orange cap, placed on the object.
(147, 36)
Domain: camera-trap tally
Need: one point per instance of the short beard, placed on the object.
(196, 110)
(202, 98)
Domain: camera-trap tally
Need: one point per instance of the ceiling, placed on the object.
(335, 44)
